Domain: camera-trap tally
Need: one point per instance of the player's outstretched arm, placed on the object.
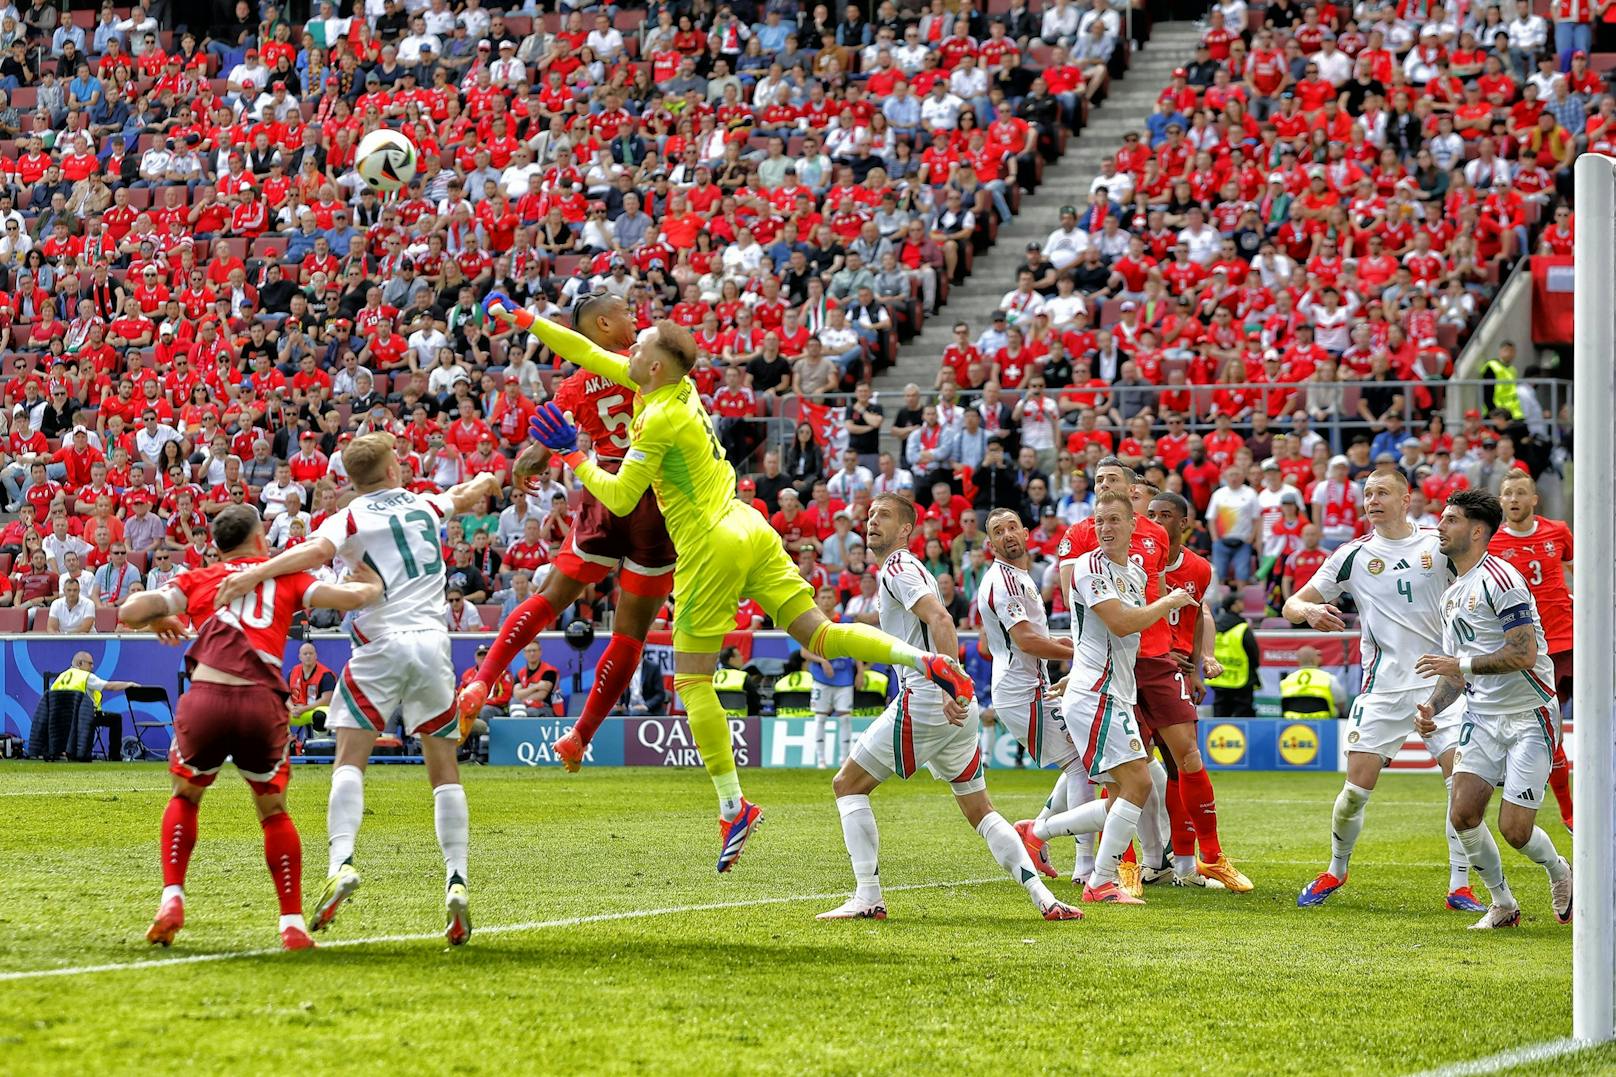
(1124, 620)
(1309, 606)
(304, 557)
(360, 588)
(466, 495)
(1033, 642)
(619, 492)
(571, 346)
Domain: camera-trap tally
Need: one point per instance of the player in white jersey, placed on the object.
(923, 727)
(1495, 661)
(400, 658)
(1396, 575)
(1017, 632)
(1107, 600)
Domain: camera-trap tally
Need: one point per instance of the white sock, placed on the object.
(1121, 823)
(990, 738)
(729, 795)
(1057, 798)
(1458, 863)
(1154, 829)
(293, 919)
(819, 740)
(173, 892)
(1539, 849)
(1346, 821)
(863, 844)
(1007, 848)
(1482, 852)
(1086, 820)
(1081, 791)
(1183, 865)
(343, 812)
(454, 827)
(844, 737)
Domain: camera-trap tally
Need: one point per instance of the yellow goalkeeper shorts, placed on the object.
(741, 556)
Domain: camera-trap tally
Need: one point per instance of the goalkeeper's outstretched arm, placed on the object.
(571, 346)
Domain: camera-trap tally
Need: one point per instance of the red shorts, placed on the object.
(599, 542)
(245, 723)
(1164, 694)
(1562, 673)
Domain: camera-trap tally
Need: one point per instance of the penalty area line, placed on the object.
(498, 929)
(1503, 1060)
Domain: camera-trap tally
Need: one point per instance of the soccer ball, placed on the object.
(385, 160)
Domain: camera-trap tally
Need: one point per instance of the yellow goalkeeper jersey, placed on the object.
(672, 446)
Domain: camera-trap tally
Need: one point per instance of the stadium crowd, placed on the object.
(1256, 301)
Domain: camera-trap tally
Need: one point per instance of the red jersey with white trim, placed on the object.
(602, 409)
(1148, 550)
(1193, 573)
(1541, 554)
(262, 618)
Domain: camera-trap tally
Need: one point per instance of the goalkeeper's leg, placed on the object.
(865, 643)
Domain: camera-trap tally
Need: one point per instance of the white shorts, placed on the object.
(1039, 725)
(1380, 723)
(1103, 729)
(408, 669)
(1512, 750)
(831, 699)
(896, 743)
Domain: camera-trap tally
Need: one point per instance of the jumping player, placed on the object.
(926, 727)
(636, 545)
(1165, 707)
(1189, 571)
(400, 659)
(726, 549)
(235, 707)
(1396, 574)
(1110, 611)
(1540, 550)
(1495, 663)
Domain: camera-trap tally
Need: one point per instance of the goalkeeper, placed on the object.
(726, 549)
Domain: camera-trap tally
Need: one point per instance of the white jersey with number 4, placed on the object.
(1102, 662)
(395, 532)
(1481, 606)
(1007, 598)
(1397, 586)
(904, 582)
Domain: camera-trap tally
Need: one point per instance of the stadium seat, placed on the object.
(13, 620)
(490, 613)
(106, 619)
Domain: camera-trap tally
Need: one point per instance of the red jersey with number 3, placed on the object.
(1148, 550)
(1540, 555)
(1193, 573)
(263, 617)
(600, 408)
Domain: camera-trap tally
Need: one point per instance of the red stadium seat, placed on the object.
(106, 619)
(13, 621)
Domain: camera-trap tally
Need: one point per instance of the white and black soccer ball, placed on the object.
(385, 160)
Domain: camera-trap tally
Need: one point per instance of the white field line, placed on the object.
(80, 792)
(1519, 1056)
(498, 929)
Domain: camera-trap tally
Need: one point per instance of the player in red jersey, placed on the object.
(236, 706)
(1540, 549)
(1191, 629)
(1165, 707)
(598, 543)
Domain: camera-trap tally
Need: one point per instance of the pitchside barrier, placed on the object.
(1263, 741)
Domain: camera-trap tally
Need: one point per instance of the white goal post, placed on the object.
(1593, 1002)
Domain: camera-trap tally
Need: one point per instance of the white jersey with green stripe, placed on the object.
(1482, 606)
(1397, 585)
(1009, 597)
(395, 532)
(1102, 662)
(904, 581)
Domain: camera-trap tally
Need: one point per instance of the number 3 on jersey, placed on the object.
(425, 534)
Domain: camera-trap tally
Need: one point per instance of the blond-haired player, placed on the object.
(400, 657)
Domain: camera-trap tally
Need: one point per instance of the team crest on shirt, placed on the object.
(1375, 566)
(1472, 602)
(1425, 561)
(1135, 746)
(1149, 544)
(1548, 547)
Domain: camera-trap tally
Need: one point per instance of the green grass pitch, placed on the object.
(963, 978)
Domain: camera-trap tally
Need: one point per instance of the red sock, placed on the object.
(1129, 856)
(283, 852)
(526, 621)
(617, 667)
(1560, 780)
(1183, 829)
(1202, 808)
(179, 838)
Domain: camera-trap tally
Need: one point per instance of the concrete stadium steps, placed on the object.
(1130, 101)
